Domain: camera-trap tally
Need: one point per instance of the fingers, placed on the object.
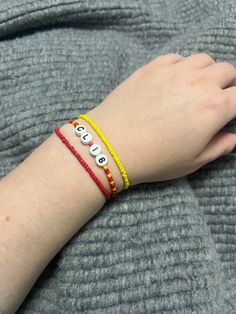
(232, 83)
(230, 101)
(221, 144)
(222, 73)
(197, 61)
(224, 105)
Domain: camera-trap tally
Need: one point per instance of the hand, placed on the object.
(164, 119)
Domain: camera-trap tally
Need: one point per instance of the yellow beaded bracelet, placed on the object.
(109, 147)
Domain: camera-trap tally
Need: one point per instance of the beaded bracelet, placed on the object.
(109, 147)
(95, 150)
(83, 163)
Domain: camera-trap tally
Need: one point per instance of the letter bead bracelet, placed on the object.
(109, 147)
(96, 151)
(83, 163)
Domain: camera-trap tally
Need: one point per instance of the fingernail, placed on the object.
(234, 150)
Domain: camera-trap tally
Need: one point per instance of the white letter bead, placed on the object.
(85, 138)
(101, 160)
(80, 129)
(95, 149)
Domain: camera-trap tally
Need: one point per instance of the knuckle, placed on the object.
(196, 79)
(228, 66)
(166, 59)
(206, 56)
(219, 99)
(168, 56)
(216, 101)
(177, 55)
(150, 69)
(142, 71)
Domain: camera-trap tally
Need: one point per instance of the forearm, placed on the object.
(44, 202)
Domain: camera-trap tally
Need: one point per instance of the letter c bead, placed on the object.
(101, 160)
(80, 129)
(86, 138)
(95, 149)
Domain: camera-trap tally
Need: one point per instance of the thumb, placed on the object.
(221, 144)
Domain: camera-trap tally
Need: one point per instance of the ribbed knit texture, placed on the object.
(166, 247)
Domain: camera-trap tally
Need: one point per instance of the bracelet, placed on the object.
(83, 163)
(95, 150)
(109, 147)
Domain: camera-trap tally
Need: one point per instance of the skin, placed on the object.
(170, 112)
(166, 106)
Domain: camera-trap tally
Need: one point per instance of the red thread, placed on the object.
(83, 163)
(90, 143)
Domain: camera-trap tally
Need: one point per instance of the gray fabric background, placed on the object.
(165, 247)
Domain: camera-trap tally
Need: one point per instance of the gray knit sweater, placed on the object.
(166, 247)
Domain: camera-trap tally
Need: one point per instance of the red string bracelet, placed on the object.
(105, 167)
(83, 163)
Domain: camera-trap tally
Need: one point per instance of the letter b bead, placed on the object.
(101, 160)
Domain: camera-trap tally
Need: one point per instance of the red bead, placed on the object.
(90, 143)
